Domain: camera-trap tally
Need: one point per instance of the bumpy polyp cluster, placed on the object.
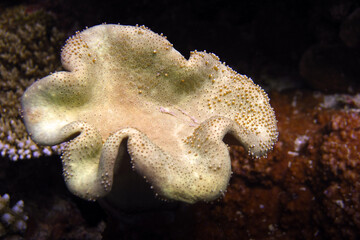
(126, 85)
(12, 219)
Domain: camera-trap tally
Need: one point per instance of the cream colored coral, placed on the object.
(126, 84)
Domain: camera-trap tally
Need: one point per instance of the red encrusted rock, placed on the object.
(307, 188)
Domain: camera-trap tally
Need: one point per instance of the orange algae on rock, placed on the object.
(126, 89)
(310, 181)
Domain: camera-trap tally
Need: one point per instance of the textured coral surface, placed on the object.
(13, 219)
(308, 188)
(29, 45)
(128, 85)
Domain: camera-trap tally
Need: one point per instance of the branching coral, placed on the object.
(28, 44)
(12, 220)
(127, 89)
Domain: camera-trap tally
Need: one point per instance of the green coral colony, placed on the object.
(126, 89)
